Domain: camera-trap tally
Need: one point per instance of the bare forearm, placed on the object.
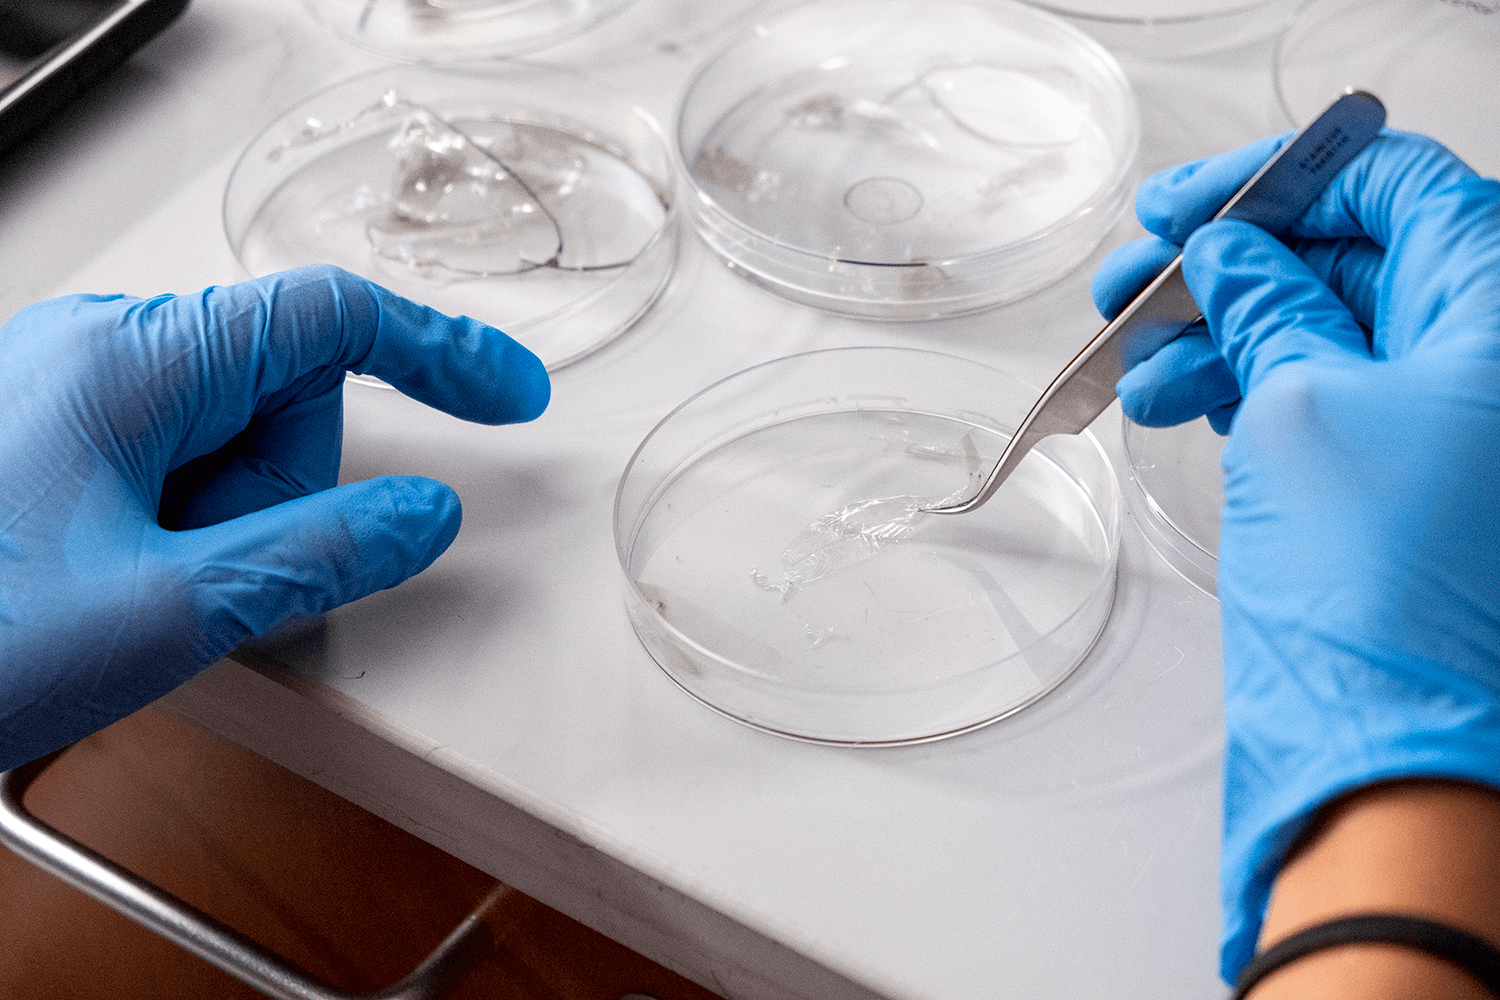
(1420, 848)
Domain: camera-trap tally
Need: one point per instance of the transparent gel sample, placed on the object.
(862, 529)
(845, 537)
(521, 197)
(424, 180)
(908, 159)
(484, 197)
(903, 164)
(1009, 107)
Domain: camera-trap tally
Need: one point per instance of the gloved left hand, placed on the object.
(168, 472)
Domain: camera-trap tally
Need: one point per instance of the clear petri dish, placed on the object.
(907, 159)
(779, 570)
(1176, 494)
(527, 197)
(453, 30)
(1434, 64)
(1170, 29)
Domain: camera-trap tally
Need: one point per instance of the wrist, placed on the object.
(1421, 848)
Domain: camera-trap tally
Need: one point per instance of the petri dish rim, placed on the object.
(1110, 197)
(1330, 44)
(1180, 546)
(657, 256)
(1180, 35)
(1106, 513)
(1168, 20)
(477, 37)
(934, 737)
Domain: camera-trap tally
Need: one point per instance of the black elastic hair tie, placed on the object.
(1474, 954)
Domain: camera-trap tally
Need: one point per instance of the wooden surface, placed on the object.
(346, 896)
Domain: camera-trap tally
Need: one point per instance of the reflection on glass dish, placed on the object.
(544, 225)
(1175, 487)
(447, 30)
(766, 582)
(1174, 28)
(1433, 64)
(897, 160)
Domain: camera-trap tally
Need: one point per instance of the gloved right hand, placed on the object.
(1187, 378)
(1359, 555)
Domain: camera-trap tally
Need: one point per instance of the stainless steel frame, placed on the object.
(200, 933)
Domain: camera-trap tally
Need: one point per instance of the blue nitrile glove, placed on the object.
(1188, 378)
(219, 415)
(1359, 554)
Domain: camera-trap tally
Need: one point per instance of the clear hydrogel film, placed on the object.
(860, 530)
(532, 222)
(904, 600)
(479, 197)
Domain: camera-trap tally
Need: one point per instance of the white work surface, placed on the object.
(500, 706)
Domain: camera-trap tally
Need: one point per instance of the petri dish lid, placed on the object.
(524, 196)
(450, 30)
(1433, 64)
(778, 569)
(907, 159)
(1175, 492)
(1173, 28)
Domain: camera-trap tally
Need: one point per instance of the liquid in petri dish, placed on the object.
(884, 165)
(746, 562)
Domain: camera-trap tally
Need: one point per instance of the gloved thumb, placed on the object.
(309, 555)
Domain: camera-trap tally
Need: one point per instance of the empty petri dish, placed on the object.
(450, 30)
(1173, 28)
(1433, 64)
(1176, 493)
(907, 159)
(524, 196)
(781, 571)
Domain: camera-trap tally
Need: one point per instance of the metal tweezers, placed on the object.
(1284, 188)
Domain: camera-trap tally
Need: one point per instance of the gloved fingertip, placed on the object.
(1155, 207)
(1223, 418)
(458, 364)
(1136, 411)
(495, 379)
(533, 389)
(1147, 403)
(1174, 202)
(425, 517)
(1184, 380)
(313, 553)
(1127, 270)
